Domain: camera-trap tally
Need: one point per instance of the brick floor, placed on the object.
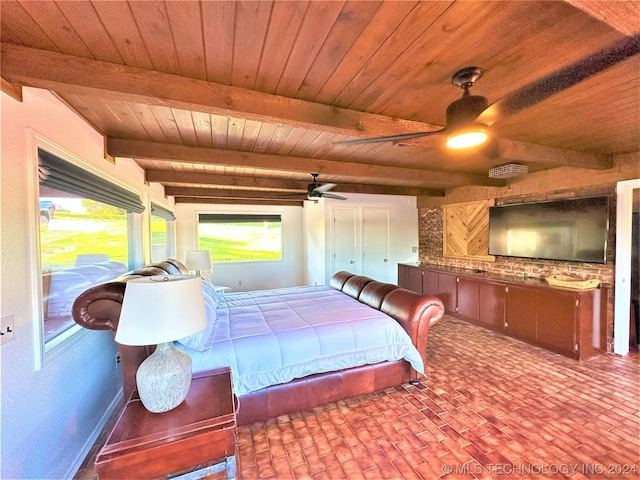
(491, 407)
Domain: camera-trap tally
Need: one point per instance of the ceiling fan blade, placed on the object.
(324, 188)
(390, 138)
(562, 79)
(332, 195)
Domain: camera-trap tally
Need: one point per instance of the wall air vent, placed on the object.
(509, 170)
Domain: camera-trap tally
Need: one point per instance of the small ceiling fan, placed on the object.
(316, 190)
(469, 118)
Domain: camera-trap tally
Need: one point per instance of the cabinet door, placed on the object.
(403, 275)
(522, 312)
(448, 291)
(556, 320)
(492, 304)
(469, 298)
(415, 279)
(430, 283)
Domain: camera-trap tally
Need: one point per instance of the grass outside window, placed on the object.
(231, 239)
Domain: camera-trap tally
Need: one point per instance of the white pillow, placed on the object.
(200, 341)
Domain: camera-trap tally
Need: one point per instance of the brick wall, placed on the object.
(430, 233)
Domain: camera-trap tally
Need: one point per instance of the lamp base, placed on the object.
(164, 378)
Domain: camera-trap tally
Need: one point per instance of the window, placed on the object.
(240, 237)
(84, 236)
(161, 240)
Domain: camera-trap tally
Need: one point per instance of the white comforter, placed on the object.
(273, 336)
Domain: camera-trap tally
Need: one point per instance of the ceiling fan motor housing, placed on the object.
(465, 110)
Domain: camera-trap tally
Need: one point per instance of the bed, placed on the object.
(315, 344)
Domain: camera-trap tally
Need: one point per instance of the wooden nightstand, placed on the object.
(198, 433)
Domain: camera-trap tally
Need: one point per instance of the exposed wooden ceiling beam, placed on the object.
(170, 176)
(239, 182)
(238, 201)
(288, 195)
(76, 75)
(177, 191)
(623, 16)
(529, 152)
(212, 156)
(14, 91)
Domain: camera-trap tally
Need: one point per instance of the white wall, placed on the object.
(245, 276)
(50, 417)
(315, 242)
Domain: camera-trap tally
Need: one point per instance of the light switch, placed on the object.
(6, 329)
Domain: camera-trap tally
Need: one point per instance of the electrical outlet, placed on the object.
(6, 329)
(117, 359)
(414, 249)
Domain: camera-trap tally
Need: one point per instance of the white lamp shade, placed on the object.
(159, 309)
(196, 260)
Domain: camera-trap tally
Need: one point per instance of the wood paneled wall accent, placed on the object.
(466, 230)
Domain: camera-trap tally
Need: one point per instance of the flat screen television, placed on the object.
(574, 230)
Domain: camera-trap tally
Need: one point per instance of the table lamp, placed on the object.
(157, 310)
(198, 261)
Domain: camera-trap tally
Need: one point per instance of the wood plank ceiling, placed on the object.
(225, 101)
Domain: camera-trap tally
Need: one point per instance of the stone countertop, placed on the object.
(476, 273)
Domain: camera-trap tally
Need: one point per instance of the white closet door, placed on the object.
(375, 244)
(344, 242)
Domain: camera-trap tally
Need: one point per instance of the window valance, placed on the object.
(60, 174)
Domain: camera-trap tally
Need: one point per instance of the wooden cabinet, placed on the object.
(521, 312)
(564, 321)
(403, 275)
(415, 279)
(448, 291)
(569, 322)
(418, 279)
(491, 308)
(410, 277)
(469, 298)
(430, 282)
(200, 431)
(557, 320)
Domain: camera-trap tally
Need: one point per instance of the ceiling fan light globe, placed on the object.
(467, 137)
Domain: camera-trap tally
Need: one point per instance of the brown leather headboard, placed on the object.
(415, 313)
(339, 279)
(354, 285)
(98, 307)
(374, 293)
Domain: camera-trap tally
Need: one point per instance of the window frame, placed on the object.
(170, 229)
(248, 214)
(48, 351)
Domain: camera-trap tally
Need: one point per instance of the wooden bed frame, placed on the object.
(98, 308)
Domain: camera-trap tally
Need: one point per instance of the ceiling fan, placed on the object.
(316, 190)
(469, 118)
